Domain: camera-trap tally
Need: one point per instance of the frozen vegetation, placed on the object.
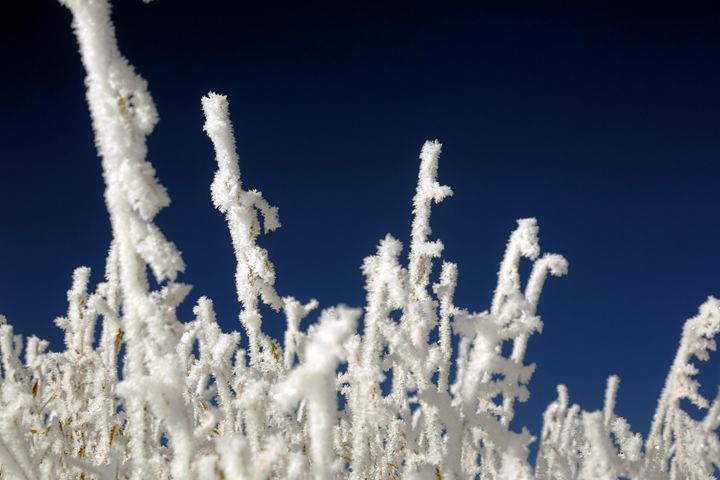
(138, 394)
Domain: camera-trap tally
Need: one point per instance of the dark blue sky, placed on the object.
(601, 120)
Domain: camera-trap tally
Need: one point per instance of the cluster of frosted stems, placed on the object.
(138, 394)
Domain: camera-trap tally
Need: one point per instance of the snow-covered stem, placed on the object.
(123, 114)
(670, 421)
(445, 291)
(255, 274)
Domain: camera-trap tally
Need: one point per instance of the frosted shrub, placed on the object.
(138, 394)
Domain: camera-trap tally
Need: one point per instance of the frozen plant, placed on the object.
(139, 394)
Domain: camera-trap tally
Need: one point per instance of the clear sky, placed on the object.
(601, 120)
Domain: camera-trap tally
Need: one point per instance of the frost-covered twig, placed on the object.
(255, 275)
